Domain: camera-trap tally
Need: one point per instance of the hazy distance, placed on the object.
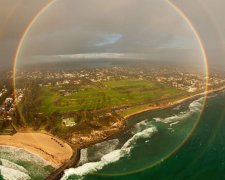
(206, 15)
(129, 29)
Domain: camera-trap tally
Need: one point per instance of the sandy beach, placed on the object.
(58, 152)
(55, 151)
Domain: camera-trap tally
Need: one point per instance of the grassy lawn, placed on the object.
(109, 94)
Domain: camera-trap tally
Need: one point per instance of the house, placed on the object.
(9, 100)
(69, 122)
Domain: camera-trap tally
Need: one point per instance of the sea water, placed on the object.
(151, 137)
(16, 163)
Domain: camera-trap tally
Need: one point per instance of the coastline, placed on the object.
(50, 148)
(121, 126)
(62, 161)
(177, 102)
(59, 172)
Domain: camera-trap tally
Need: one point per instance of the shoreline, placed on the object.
(177, 102)
(50, 148)
(59, 172)
(40, 158)
(73, 159)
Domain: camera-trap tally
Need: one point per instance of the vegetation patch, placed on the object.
(106, 95)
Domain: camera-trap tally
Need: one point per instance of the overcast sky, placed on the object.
(144, 29)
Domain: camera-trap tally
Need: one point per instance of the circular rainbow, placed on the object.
(181, 14)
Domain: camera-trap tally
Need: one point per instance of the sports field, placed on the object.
(106, 95)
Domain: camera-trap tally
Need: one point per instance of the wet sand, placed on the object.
(52, 149)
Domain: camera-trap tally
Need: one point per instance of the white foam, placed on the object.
(177, 107)
(12, 174)
(110, 157)
(21, 154)
(12, 165)
(194, 107)
(157, 119)
(141, 126)
(174, 123)
(95, 152)
(143, 134)
(171, 119)
(83, 157)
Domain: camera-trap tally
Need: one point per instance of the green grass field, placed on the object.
(109, 94)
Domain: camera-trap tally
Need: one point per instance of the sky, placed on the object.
(125, 29)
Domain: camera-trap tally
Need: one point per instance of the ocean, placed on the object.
(16, 163)
(149, 148)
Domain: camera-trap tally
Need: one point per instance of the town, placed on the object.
(190, 82)
(81, 100)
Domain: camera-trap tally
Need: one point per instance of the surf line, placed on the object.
(180, 13)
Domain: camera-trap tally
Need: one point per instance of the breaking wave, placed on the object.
(141, 126)
(194, 107)
(111, 157)
(12, 165)
(12, 171)
(95, 152)
(12, 174)
(107, 152)
(197, 105)
(22, 155)
(19, 164)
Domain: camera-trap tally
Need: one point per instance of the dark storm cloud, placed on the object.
(99, 26)
(207, 17)
(14, 17)
(109, 26)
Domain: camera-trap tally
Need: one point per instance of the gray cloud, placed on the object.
(14, 17)
(207, 17)
(148, 27)
(99, 26)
